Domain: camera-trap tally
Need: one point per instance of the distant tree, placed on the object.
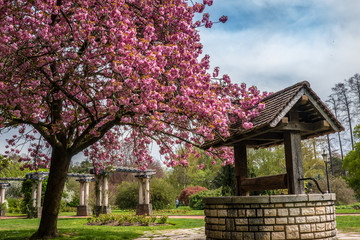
(352, 164)
(342, 92)
(10, 167)
(334, 106)
(201, 170)
(185, 194)
(225, 179)
(354, 86)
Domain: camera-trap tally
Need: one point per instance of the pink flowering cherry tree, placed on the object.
(84, 76)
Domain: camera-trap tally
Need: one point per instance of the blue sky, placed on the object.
(274, 44)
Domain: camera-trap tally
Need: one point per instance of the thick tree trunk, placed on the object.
(60, 162)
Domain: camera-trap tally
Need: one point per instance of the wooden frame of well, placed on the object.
(290, 115)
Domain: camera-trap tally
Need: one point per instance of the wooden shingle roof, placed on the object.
(314, 119)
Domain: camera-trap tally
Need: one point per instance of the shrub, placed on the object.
(196, 199)
(127, 195)
(187, 192)
(127, 219)
(163, 219)
(26, 203)
(14, 205)
(344, 194)
(161, 194)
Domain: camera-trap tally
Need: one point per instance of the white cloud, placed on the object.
(323, 51)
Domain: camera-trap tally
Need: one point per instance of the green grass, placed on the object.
(348, 223)
(77, 229)
(348, 210)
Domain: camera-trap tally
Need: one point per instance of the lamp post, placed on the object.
(324, 155)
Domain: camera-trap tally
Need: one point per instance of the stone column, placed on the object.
(105, 183)
(86, 193)
(147, 191)
(2, 198)
(81, 196)
(84, 209)
(144, 208)
(39, 207)
(33, 194)
(141, 195)
(98, 192)
(105, 209)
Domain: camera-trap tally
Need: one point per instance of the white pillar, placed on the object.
(86, 193)
(2, 195)
(147, 190)
(106, 191)
(98, 191)
(141, 199)
(39, 193)
(33, 194)
(81, 197)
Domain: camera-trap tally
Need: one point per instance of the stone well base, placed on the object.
(271, 217)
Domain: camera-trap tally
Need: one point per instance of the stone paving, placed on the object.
(199, 234)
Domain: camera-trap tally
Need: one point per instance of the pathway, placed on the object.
(199, 234)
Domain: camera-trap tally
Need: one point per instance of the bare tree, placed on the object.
(345, 103)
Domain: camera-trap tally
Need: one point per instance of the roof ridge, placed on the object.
(296, 85)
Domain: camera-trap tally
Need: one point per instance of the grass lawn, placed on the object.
(77, 229)
(347, 210)
(348, 223)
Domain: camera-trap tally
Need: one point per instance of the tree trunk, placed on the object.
(60, 162)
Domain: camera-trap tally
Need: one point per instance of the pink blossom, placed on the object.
(223, 19)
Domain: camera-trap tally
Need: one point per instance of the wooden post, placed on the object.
(241, 168)
(293, 158)
(294, 163)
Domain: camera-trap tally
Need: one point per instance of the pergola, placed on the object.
(290, 115)
(101, 190)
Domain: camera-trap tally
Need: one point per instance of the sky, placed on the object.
(275, 44)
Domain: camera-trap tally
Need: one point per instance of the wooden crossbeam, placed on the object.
(264, 183)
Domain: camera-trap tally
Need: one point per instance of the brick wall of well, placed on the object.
(271, 217)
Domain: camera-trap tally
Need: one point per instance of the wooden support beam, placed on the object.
(294, 163)
(305, 127)
(241, 167)
(264, 183)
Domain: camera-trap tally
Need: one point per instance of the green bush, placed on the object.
(126, 219)
(127, 195)
(26, 203)
(196, 199)
(14, 205)
(162, 194)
